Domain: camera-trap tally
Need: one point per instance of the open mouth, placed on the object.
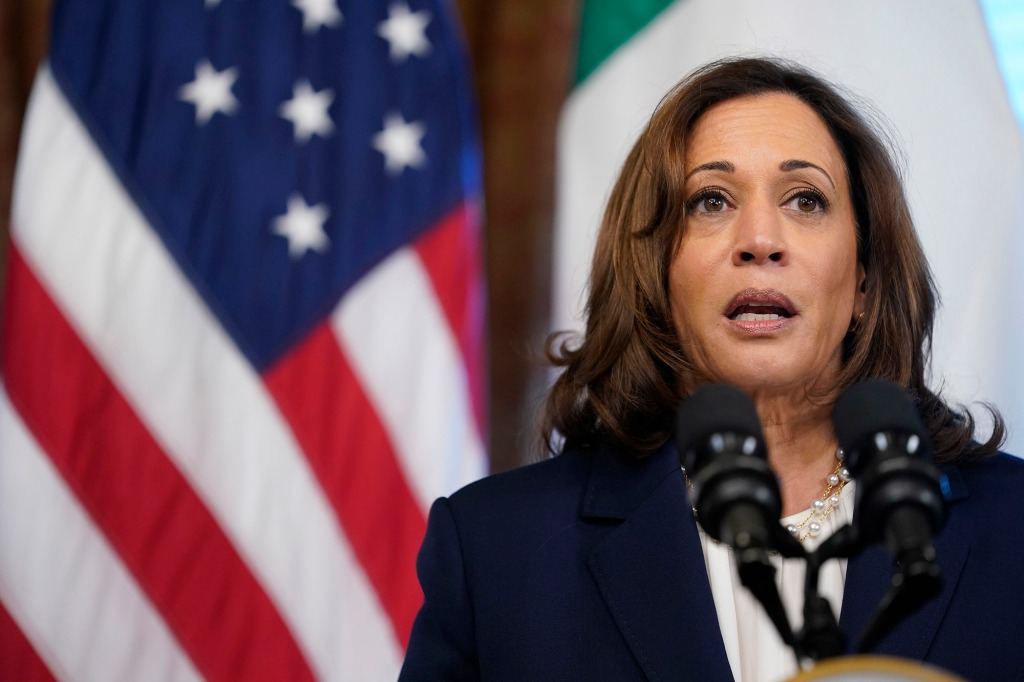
(759, 311)
(759, 305)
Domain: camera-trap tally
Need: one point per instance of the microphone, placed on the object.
(734, 492)
(899, 492)
(722, 449)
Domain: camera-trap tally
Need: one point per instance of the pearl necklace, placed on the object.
(822, 506)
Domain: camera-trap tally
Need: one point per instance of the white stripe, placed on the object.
(201, 400)
(936, 80)
(422, 398)
(64, 585)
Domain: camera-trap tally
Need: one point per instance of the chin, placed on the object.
(775, 366)
(766, 376)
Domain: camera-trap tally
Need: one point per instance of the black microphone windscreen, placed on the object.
(871, 406)
(716, 408)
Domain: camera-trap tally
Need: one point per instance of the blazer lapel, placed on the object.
(869, 574)
(650, 569)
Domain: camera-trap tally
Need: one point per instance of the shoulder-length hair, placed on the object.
(621, 382)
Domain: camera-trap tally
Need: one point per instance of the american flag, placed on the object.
(242, 338)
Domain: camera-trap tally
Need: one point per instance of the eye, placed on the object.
(712, 204)
(707, 201)
(808, 201)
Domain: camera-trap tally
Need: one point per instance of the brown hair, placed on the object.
(621, 385)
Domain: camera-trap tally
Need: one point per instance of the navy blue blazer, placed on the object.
(589, 566)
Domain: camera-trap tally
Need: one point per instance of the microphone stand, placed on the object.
(758, 575)
(820, 635)
(917, 579)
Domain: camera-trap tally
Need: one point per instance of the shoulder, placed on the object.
(526, 507)
(1002, 463)
(516, 504)
(601, 482)
(989, 495)
(551, 477)
(1000, 477)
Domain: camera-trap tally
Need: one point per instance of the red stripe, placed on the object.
(353, 458)
(450, 252)
(18, 659)
(164, 534)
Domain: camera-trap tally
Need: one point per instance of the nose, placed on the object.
(759, 236)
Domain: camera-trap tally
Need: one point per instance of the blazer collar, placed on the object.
(650, 568)
(869, 574)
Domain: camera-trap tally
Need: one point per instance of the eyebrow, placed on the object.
(785, 166)
(798, 164)
(712, 166)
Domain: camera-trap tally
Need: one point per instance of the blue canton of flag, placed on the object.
(280, 150)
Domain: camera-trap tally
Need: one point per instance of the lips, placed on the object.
(759, 305)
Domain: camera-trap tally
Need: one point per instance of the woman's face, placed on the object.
(765, 280)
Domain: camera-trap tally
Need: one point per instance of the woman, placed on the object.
(758, 236)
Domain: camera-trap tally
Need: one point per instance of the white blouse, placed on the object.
(756, 652)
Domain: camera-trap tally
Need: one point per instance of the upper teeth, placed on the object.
(758, 316)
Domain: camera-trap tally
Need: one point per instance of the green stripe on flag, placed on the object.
(607, 24)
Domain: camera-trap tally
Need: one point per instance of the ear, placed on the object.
(861, 295)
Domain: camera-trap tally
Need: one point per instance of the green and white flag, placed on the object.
(927, 67)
